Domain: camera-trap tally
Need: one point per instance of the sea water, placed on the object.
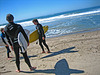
(66, 22)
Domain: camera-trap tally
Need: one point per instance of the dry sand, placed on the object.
(78, 54)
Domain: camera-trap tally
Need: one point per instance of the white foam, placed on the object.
(2, 26)
(66, 16)
(46, 20)
(26, 23)
(80, 14)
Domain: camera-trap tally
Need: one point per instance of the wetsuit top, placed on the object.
(40, 30)
(3, 38)
(12, 30)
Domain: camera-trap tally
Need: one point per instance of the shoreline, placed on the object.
(84, 31)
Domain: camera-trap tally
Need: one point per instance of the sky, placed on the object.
(24, 9)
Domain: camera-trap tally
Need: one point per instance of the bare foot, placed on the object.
(17, 70)
(48, 52)
(32, 68)
(8, 58)
(43, 52)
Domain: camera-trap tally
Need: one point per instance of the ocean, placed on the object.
(66, 22)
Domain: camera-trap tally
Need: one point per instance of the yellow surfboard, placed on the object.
(34, 35)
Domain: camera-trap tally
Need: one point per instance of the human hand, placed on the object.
(28, 44)
(12, 48)
(43, 38)
(6, 45)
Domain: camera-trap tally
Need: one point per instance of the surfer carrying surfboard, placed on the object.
(3, 37)
(11, 31)
(41, 35)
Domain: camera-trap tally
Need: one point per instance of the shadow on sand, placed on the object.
(23, 57)
(61, 68)
(68, 50)
(29, 56)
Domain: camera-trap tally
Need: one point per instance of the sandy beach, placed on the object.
(75, 54)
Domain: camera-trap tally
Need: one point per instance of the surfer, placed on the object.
(11, 31)
(5, 42)
(41, 35)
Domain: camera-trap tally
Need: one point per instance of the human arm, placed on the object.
(9, 41)
(41, 32)
(4, 41)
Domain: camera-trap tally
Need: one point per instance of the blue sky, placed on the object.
(24, 9)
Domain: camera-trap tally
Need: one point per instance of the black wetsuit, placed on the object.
(11, 31)
(41, 34)
(5, 42)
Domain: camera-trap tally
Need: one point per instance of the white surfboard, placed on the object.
(22, 41)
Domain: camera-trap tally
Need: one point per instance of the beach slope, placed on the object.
(76, 54)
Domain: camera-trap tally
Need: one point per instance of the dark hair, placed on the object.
(35, 20)
(9, 17)
(1, 29)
